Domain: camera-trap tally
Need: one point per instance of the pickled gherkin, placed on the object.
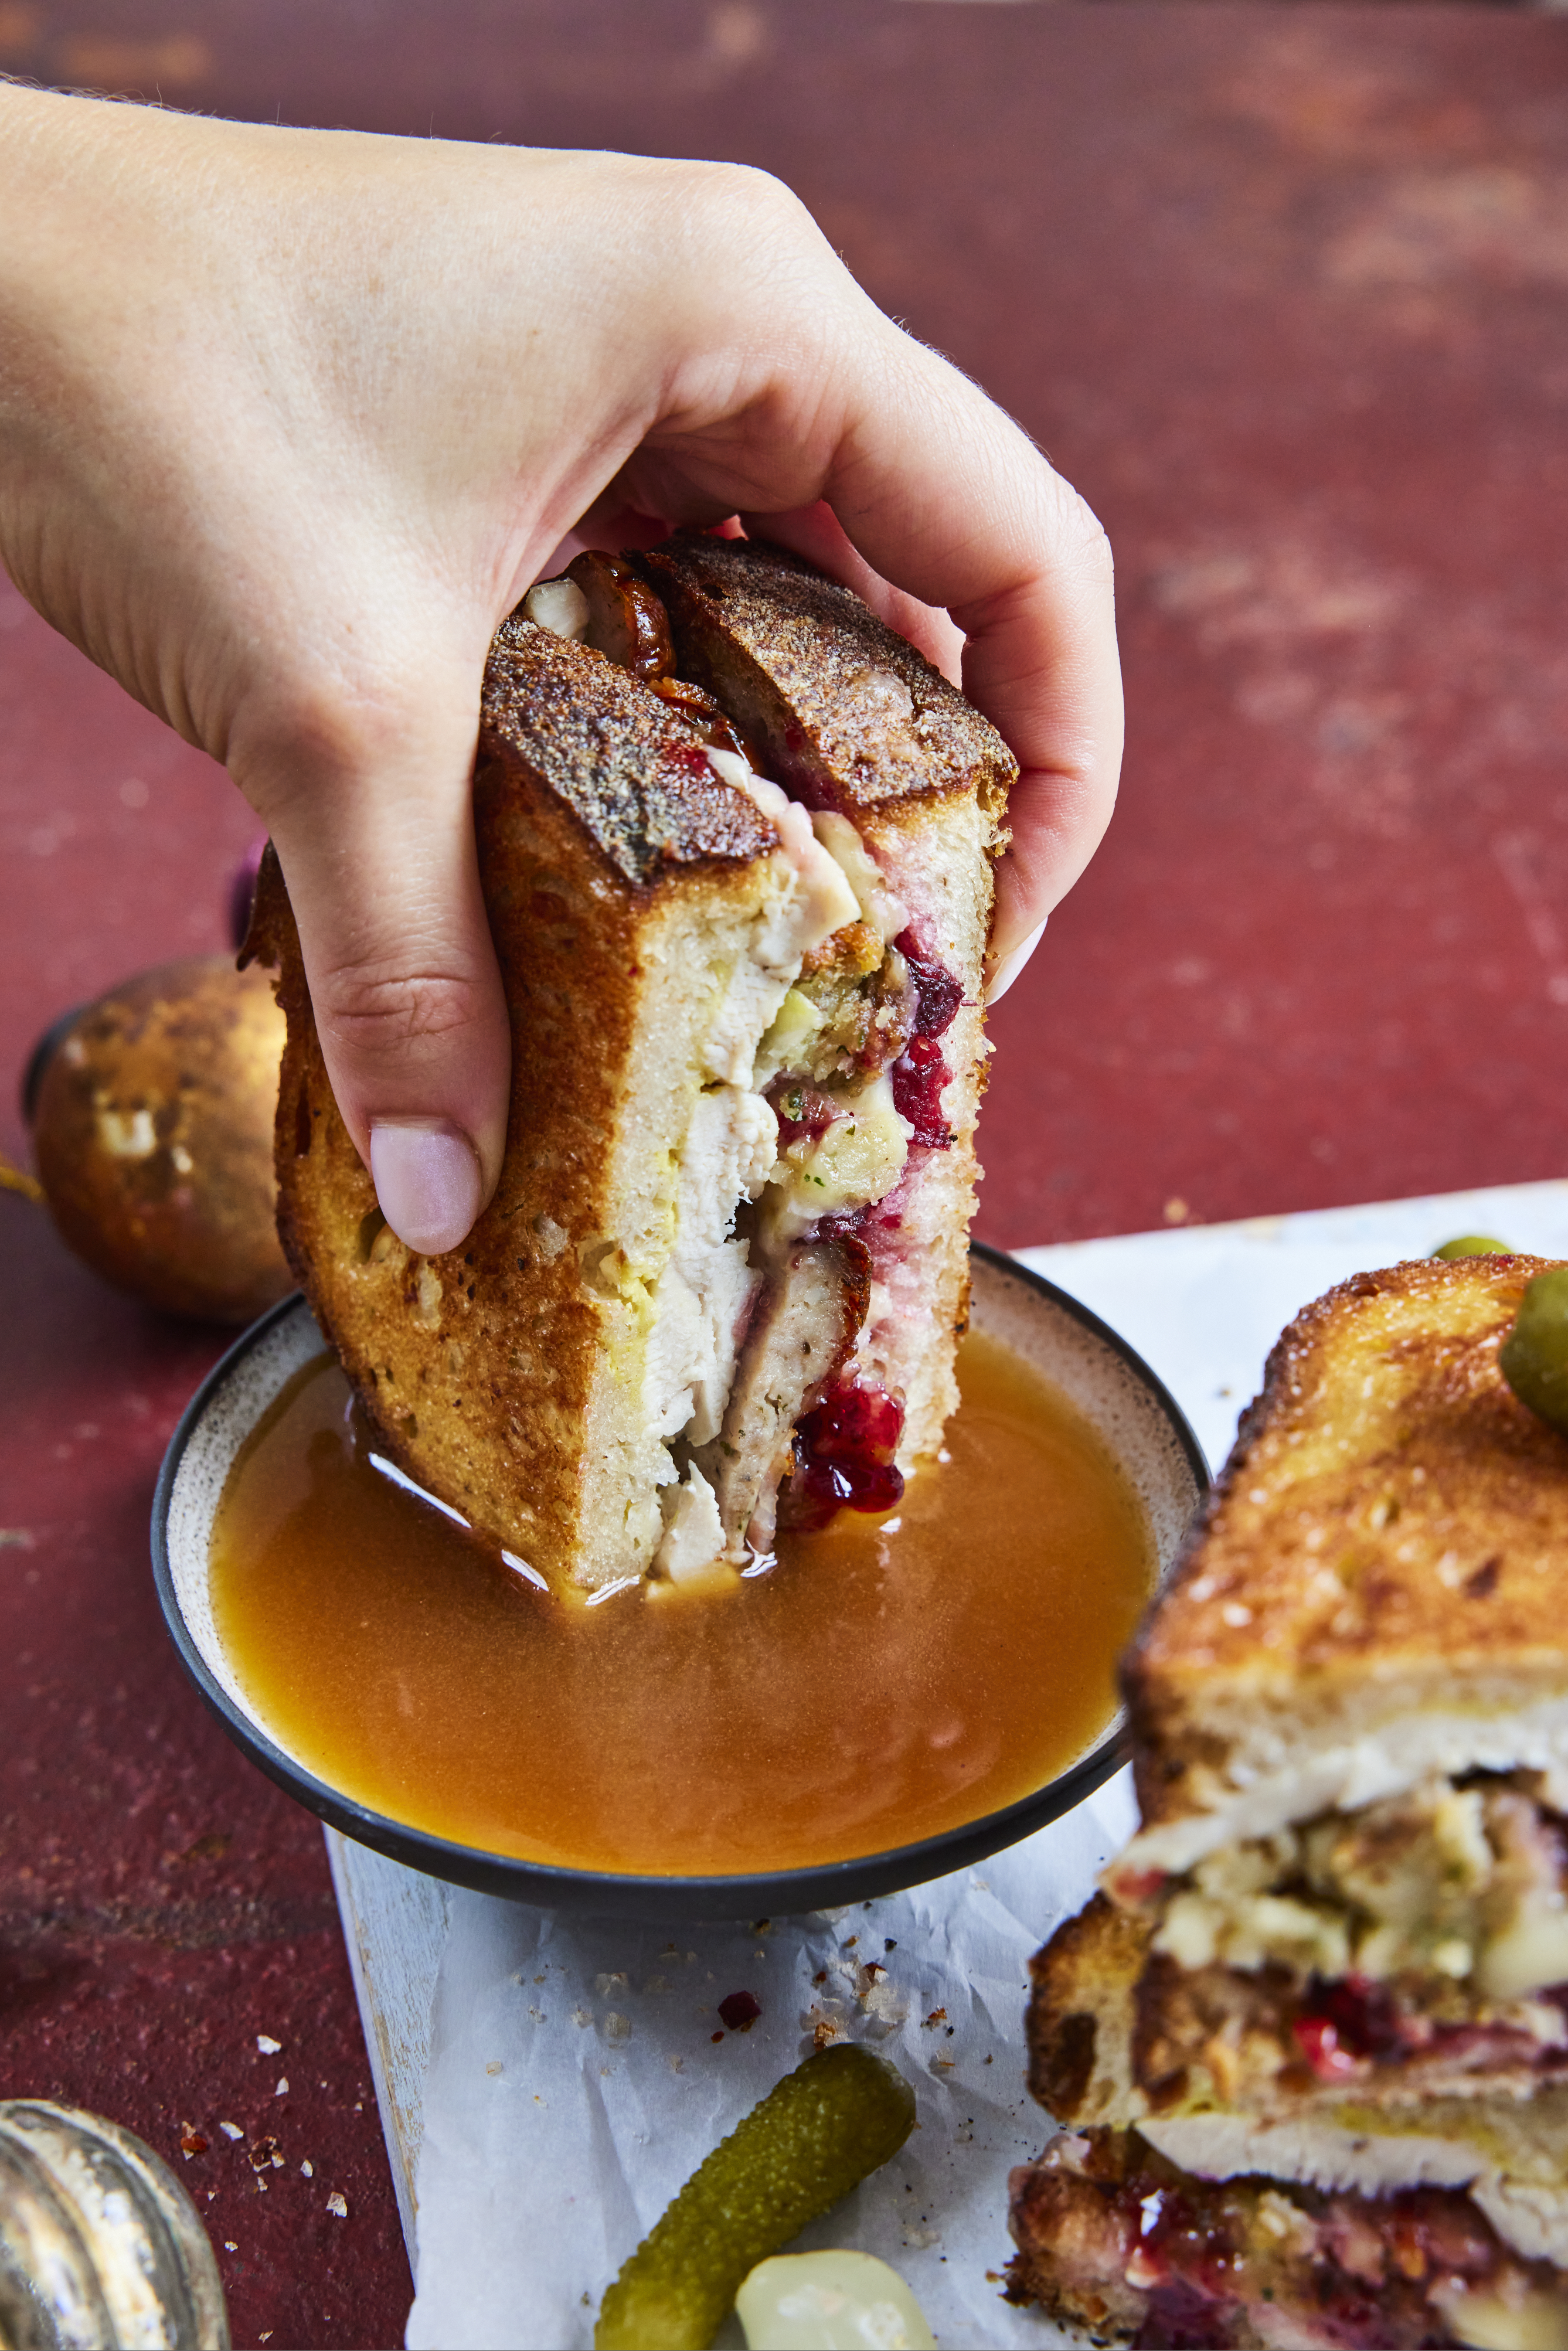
(814, 2136)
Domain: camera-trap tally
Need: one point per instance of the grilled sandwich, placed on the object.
(735, 841)
(1320, 2010)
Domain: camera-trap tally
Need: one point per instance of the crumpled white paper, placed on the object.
(575, 2084)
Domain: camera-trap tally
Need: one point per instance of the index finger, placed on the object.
(943, 496)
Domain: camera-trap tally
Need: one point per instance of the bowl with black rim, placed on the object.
(1135, 1415)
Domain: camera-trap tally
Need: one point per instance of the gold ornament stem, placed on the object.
(16, 1179)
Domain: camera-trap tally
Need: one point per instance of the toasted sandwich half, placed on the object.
(1333, 1966)
(735, 840)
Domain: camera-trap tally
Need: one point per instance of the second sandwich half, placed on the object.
(735, 840)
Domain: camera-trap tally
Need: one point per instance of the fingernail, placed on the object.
(1007, 970)
(427, 1180)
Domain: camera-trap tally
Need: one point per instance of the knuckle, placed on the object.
(748, 208)
(1077, 537)
(372, 1007)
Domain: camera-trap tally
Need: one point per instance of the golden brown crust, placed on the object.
(1391, 1515)
(1080, 2013)
(850, 715)
(631, 766)
(477, 1368)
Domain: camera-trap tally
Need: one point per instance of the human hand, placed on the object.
(289, 420)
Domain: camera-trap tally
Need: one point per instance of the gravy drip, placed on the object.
(889, 1678)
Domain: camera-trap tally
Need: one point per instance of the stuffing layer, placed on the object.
(1427, 1932)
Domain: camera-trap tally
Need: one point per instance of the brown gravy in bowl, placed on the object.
(891, 1677)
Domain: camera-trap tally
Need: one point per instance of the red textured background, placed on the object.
(1286, 293)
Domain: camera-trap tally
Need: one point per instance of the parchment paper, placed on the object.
(575, 2083)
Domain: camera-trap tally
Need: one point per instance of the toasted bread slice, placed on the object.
(647, 924)
(1379, 1588)
(1080, 2016)
(858, 726)
(608, 1375)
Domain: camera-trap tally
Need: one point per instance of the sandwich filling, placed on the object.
(1111, 2235)
(823, 1071)
(1419, 1945)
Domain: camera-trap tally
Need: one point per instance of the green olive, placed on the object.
(1472, 1245)
(1534, 1355)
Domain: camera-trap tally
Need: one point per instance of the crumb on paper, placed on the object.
(888, 1944)
(676, 2065)
(937, 2016)
(231, 2130)
(741, 2010)
(715, 2036)
(657, 1983)
(918, 2236)
(604, 1985)
(582, 2016)
(493, 2066)
(942, 2064)
(616, 2026)
(267, 2045)
(338, 2204)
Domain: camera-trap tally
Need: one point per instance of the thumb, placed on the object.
(373, 826)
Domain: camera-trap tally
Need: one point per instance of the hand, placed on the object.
(289, 420)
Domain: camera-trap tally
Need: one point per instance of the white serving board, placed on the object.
(1203, 1304)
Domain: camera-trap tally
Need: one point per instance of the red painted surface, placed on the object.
(1286, 294)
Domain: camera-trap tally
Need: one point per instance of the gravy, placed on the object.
(891, 1677)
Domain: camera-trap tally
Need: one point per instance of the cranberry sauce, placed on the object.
(937, 994)
(843, 1453)
(919, 1076)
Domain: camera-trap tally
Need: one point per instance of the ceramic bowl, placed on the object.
(1135, 1416)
